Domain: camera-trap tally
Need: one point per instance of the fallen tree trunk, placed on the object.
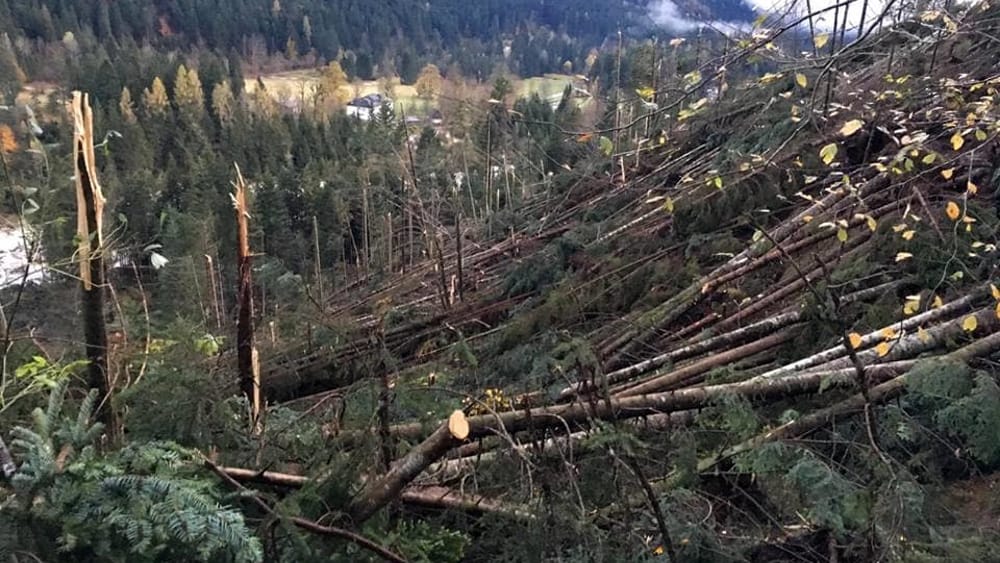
(691, 372)
(450, 468)
(425, 496)
(755, 330)
(854, 404)
(835, 352)
(378, 492)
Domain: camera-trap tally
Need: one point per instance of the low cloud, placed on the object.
(667, 15)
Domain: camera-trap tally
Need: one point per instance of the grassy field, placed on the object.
(298, 83)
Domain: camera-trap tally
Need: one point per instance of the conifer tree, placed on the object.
(154, 98)
(11, 75)
(188, 94)
(126, 106)
(223, 102)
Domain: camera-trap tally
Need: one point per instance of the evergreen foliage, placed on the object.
(142, 503)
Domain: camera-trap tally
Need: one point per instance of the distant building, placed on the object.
(366, 107)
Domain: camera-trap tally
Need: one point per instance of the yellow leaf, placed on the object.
(668, 205)
(820, 40)
(882, 349)
(903, 256)
(997, 311)
(922, 335)
(912, 305)
(842, 235)
(970, 323)
(980, 135)
(907, 235)
(971, 188)
(458, 425)
(889, 333)
(851, 127)
(952, 210)
(947, 173)
(872, 223)
(855, 340)
(807, 218)
(937, 302)
(957, 140)
(801, 80)
(828, 153)
(929, 158)
(658, 550)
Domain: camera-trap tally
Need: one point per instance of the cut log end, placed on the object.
(458, 425)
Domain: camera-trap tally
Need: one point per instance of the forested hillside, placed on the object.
(371, 39)
(725, 299)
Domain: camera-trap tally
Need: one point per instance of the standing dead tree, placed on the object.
(246, 350)
(90, 252)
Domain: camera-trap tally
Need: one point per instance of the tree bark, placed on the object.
(247, 361)
(378, 492)
(691, 372)
(90, 210)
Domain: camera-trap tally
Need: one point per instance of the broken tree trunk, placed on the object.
(246, 350)
(90, 210)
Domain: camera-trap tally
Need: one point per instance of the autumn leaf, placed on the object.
(801, 80)
(907, 235)
(851, 127)
(882, 349)
(997, 311)
(980, 135)
(952, 210)
(970, 323)
(947, 173)
(828, 153)
(668, 205)
(929, 158)
(937, 302)
(889, 333)
(872, 223)
(957, 141)
(972, 188)
(842, 235)
(821, 40)
(912, 305)
(903, 256)
(995, 292)
(8, 143)
(855, 340)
